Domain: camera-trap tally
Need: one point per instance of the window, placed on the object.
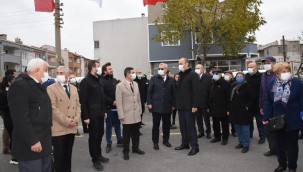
(174, 42)
(280, 50)
(96, 44)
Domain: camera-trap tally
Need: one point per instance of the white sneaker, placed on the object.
(14, 162)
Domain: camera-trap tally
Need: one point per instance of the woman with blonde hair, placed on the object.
(285, 101)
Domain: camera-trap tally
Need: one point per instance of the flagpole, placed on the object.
(58, 22)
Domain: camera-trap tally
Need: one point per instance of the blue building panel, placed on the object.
(158, 52)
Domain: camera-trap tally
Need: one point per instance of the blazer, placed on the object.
(293, 108)
(128, 103)
(64, 109)
(31, 112)
(161, 95)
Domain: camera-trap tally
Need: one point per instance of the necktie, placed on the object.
(66, 90)
(131, 87)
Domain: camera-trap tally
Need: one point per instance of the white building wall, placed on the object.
(124, 43)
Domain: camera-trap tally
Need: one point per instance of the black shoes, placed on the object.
(108, 148)
(156, 146)
(193, 152)
(120, 143)
(239, 146)
(98, 166)
(215, 140)
(138, 151)
(224, 142)
(269, 153)
(125, 156)
(200, 135)
(181, 147)
(245, 149)
(172, 127)
(261, 141)
(142, 123)
(167, 144)
(208, 136)
(290, 170)
(103, 159)
(280, 169)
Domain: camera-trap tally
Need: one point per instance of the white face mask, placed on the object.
(161, 72)
(139, 76)
(99, 71)
(133, 76)
(181, 68)
(198, 71)
(73, 80)
(45, 78)
(227, 78)
(267, 67)
(250, 70)
(61, 78)
(285, 76)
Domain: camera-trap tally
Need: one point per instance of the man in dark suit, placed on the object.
(31, 113)
(204, 90)
(219, 100)
(253, 78)
(143, 83)
(161, 100)
(187, 105)
(93, 107)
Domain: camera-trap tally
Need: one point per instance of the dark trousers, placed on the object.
(287, 148)
(8, 125)
(143, 110)
(200, 115)
(131, 131)
(63, 147)
(233, 128)
(218, 124)
(84, 126)
(38, 165)
(112, 120)
(260, 126)
(188, 128)
(165, 126)
(96, 131)
(271, 138)
(174, 113)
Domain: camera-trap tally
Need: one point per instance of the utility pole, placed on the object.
(284, 50)
(58, 23)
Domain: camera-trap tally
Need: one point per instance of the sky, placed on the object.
(18, 19)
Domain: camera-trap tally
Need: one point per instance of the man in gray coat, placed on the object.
(161, 100)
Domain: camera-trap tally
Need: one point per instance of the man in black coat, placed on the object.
(203, 93)
(187, 105)
(143, 84)
(31, 113)
(93, 107)
(219, 107)
(253, 78)
(112, 119)
(161, 98)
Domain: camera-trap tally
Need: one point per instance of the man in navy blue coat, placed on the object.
(161, 100)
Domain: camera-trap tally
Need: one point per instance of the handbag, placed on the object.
(277, 123)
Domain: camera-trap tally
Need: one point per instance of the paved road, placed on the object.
(211, 158)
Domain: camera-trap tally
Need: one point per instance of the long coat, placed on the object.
(293, 107)
(241, 100)
(31, 112)
(204, 91)
(255, 82)
(219, 98)
(187, 90)
(64, 109)
(161, 95)
(128, 103)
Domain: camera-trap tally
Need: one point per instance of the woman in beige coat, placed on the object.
(129, 109)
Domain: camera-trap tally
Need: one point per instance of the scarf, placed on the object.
(236, 90)
(281, 91)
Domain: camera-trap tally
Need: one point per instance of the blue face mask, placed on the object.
(239, 80)
(216, 77)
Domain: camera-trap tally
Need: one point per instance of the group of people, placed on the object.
(50, 114)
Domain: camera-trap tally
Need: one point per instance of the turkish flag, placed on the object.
(152, 2)
(44, 5)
